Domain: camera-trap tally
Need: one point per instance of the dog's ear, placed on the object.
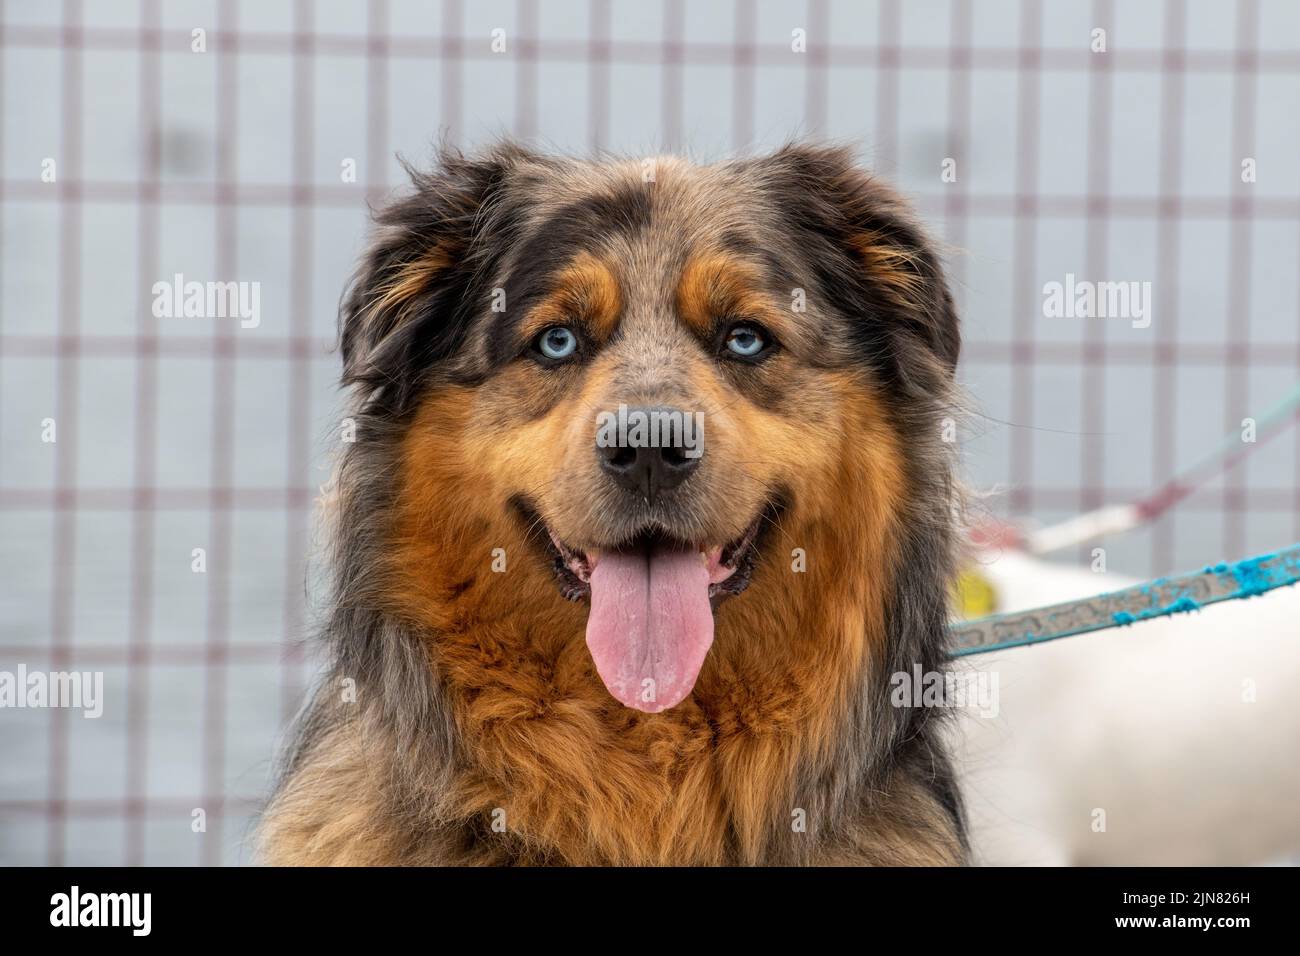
(412, 295)
(866, 246)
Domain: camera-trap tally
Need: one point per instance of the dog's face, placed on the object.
(644, 368)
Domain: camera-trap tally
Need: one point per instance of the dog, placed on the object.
(551, 649)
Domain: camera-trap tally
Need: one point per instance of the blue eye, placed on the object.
(745, 341)
(557, 342)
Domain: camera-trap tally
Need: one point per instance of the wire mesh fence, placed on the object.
(158, 471)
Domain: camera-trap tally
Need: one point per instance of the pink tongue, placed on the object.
(650, 625)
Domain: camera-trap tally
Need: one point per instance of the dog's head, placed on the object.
(650, 383)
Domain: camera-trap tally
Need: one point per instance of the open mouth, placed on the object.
(729, 566)
(652, 601)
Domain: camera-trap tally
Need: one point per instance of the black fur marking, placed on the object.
(580, 226)
(461, 212)
(832, 203)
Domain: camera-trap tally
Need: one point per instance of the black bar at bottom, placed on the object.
(638, 908)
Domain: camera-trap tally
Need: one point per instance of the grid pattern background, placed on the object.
(226, 164)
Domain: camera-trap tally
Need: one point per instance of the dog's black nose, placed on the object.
(653, 449)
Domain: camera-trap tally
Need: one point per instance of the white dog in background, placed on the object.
(1174, 741)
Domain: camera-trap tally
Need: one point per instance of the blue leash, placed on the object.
(1158, 598)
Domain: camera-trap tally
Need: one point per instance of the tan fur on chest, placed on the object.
(575, 771)
(571, 770)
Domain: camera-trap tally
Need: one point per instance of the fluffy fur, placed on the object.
(462, 721)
